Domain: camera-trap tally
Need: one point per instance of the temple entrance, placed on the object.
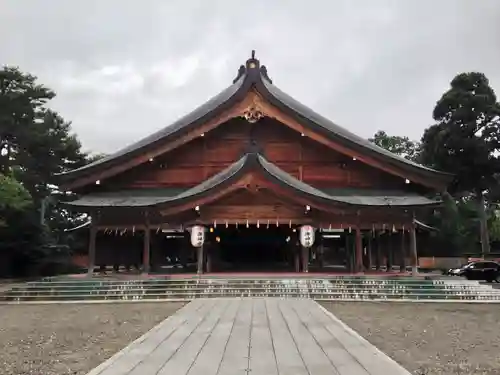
(255, 249)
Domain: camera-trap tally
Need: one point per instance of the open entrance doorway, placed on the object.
(254, 249)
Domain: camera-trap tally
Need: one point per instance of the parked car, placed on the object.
(481, 270)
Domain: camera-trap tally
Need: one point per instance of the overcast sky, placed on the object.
(123, 69)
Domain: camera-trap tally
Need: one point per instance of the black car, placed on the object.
(481, 270)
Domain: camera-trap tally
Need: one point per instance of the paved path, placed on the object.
(250, 336)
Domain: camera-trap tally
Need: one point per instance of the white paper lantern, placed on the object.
(306, 236)
(197, 236)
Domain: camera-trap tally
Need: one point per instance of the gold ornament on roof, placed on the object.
(253, 114)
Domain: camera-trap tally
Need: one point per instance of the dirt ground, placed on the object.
(71, 339)
(444, 339)
(430, 338)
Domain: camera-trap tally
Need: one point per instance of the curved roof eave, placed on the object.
(250, 161)
(226, 176)
(286, 102)
(201, 114)
(356, 201)
(248, 76)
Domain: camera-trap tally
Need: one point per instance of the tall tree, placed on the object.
(465, 141)
(402, 146)
(21, 102)
(35, 141)
(35, 144)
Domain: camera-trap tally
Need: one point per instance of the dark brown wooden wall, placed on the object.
(313, 163)
(263, 205)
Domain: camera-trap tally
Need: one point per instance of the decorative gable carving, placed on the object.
(253, 114)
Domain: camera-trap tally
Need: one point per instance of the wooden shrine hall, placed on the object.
(254, 172)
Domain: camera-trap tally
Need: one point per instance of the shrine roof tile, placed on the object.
(252, 161)
(255, 76)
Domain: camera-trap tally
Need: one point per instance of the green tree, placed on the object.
(402, 146)
(465, 141)
(21, 104)
(22, 238)
(13, 195)
(35, 144)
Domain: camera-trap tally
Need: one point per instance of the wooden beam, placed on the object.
(173, 222)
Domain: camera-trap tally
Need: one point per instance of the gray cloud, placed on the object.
(123, 69)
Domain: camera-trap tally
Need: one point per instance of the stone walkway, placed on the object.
(250, 336)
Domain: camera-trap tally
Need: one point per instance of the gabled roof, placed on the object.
(251, 161)
(254, 76)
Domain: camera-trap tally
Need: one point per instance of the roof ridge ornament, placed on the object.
(263, 72)
(241, 72)
(252, 62)
(252, 65)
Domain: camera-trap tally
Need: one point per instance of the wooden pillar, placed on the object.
(378, 255)
(321, 255)
(389, 251)
(369, 249)
(146, 250)
(209, 259)
(348, 252)
(200, 259)
(296, 255)
(413, 249)
(402, 253)
(358, 259)
(305, 259)
(92, 244)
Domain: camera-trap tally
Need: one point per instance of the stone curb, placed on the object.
(190, 299)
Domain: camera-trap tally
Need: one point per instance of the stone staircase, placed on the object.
(340, 288)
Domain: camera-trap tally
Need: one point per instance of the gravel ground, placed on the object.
(430, 338)
(71, 339)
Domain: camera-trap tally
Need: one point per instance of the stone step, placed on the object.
(190, 296)
(126, 285)
(231, 287)
(336, 288)
(42, 288)
(251, 282)
(406, 280)
(253, 289)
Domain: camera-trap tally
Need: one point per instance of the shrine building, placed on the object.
(252, 169)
